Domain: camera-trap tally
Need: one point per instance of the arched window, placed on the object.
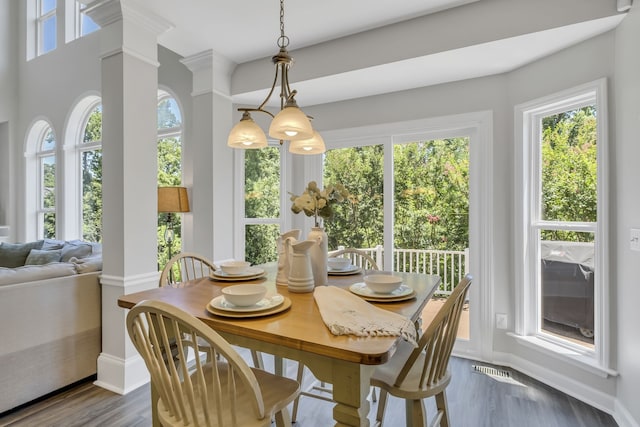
(46, 184)
(90, 155)
(169, 172)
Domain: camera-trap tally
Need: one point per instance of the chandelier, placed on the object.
(290, 123)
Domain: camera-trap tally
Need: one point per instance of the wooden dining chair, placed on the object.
(358, 258)
(225, 392)
(414, 374)
(187, 266)
(319, 389)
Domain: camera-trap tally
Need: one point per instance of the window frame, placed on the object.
(41, 210)
(80, 148)
(528, 117)
(40, 22)
(283, 221)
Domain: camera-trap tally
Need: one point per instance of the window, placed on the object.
(563, 299)
(46, 214)
(45, 26)
(84, 24)
(262, 203)
(90, 151)
(169, 172)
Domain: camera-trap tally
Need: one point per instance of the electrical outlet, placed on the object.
(634, 243)
(501, 321)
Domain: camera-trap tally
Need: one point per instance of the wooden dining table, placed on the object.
(299, 333)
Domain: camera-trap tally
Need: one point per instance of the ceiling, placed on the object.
(243, 31)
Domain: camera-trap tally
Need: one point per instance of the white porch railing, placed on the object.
(451, 266)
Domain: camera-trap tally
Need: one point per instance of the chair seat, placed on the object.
(385, 376)
(277, 392)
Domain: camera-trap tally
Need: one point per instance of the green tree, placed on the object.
(569, 171)
(92, 179)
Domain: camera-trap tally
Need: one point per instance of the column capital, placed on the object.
(128, 27)
(211, 73)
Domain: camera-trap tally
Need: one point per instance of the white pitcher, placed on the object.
(300, 274)
(282, 278)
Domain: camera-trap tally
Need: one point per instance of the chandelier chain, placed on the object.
(283, 41)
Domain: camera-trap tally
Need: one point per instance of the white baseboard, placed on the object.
(570, 386)
(119, 375)
(623, 417)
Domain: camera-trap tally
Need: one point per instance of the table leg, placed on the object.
(350, 391)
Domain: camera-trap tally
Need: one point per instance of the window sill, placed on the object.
(565, 354)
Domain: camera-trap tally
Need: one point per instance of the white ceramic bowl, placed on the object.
(339, 263)
(235, 267)
(382, 283)
(244, 295)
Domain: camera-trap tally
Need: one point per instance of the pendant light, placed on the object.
(290, 124)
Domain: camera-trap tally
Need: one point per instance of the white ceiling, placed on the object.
(244, 31)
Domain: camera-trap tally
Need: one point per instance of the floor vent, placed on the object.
(497, 374)
(492, 372)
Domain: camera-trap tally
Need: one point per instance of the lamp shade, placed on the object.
(313, 145)
(290, 124)
(173, 199)
(247, 134)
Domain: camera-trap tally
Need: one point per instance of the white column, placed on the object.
(212, 161)
(129, 181)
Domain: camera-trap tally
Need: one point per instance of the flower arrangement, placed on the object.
(318, 203)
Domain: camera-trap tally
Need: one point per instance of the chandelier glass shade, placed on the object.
(289, 124)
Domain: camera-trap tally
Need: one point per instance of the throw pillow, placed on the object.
(76, 249)
(39, 257)
(15, 254)
(52, 244)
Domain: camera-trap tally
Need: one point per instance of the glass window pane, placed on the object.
(49, 225)
(93, 129)
(87, 25)
(260, 242)
(49, 141)
(48, 182)
(169, 161)
(49, 34)
(262, 183)
(567, 279)
(47, 6)
(569, 166)
(92, 195)
(168, 114)
(358, 223)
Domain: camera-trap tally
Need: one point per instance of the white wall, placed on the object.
(8, 104)
(625, 210)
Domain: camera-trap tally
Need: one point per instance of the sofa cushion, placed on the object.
(49, 244)
(39, 256)
(30, 273)
(15, 254)
(88, 264)
(75, 248)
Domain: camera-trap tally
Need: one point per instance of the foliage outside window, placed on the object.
(91, 169)
(169, 169)
(47, 185)
(262, 204)
(46, 26)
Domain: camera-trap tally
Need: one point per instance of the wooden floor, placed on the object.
(475, 400)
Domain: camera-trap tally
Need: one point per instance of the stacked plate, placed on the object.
(250, 273)
(352, 269)
(402, 293)
(267, 306)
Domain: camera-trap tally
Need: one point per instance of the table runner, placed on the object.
(347, 314)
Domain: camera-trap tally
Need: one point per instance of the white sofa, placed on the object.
(51, 326)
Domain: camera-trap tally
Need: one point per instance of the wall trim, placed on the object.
(557, 380)
(119, 375)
